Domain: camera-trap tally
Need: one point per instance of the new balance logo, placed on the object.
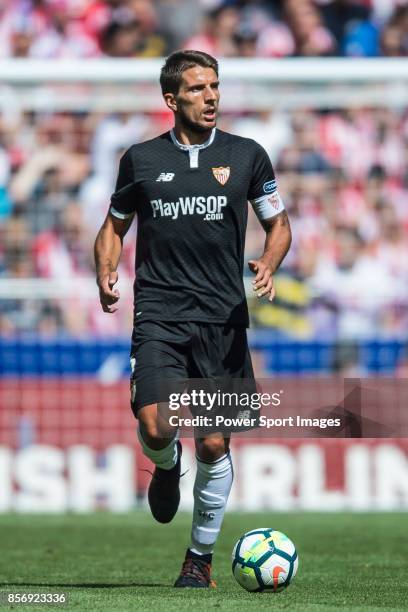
(165, 177)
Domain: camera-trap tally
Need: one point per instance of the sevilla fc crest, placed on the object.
(275, 201)
(221, 174)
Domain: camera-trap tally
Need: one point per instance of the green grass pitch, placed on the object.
(129, 562)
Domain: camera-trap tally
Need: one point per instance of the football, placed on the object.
(264, 560)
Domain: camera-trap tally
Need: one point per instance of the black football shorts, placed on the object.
(177, 352)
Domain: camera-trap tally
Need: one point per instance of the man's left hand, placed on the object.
(263, 282)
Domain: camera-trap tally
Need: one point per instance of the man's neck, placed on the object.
(185, 136)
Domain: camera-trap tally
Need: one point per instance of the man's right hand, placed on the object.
(107, 295)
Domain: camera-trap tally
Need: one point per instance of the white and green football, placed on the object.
(264, 560)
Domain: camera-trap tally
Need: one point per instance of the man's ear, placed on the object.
(171, 102)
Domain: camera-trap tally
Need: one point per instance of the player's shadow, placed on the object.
(85, 585)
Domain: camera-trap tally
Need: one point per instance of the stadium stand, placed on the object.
(232, 28)
(342, 174)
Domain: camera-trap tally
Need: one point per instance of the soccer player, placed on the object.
(190, 189)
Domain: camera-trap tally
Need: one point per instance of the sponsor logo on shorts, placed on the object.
(269, 186)
(132, 379)
(211, 207)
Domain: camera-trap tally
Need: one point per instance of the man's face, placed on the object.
(196, 103)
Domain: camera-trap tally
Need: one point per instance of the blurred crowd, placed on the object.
(51, 29)
(343, 175)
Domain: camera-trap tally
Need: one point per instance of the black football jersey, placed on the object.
(191, 203)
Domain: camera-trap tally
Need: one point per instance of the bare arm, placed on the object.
(277, 242)
(107, 252)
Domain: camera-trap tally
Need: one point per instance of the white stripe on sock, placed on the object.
(207, 529)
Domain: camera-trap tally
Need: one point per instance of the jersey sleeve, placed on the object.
(263, 191)
(123, 201)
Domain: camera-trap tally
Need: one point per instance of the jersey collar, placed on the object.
(184, 147)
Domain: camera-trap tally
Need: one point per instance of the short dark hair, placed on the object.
(178, 62)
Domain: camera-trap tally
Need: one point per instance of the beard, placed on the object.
(193, 127)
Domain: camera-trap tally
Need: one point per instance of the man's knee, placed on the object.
(155, 430)
(212, 447)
